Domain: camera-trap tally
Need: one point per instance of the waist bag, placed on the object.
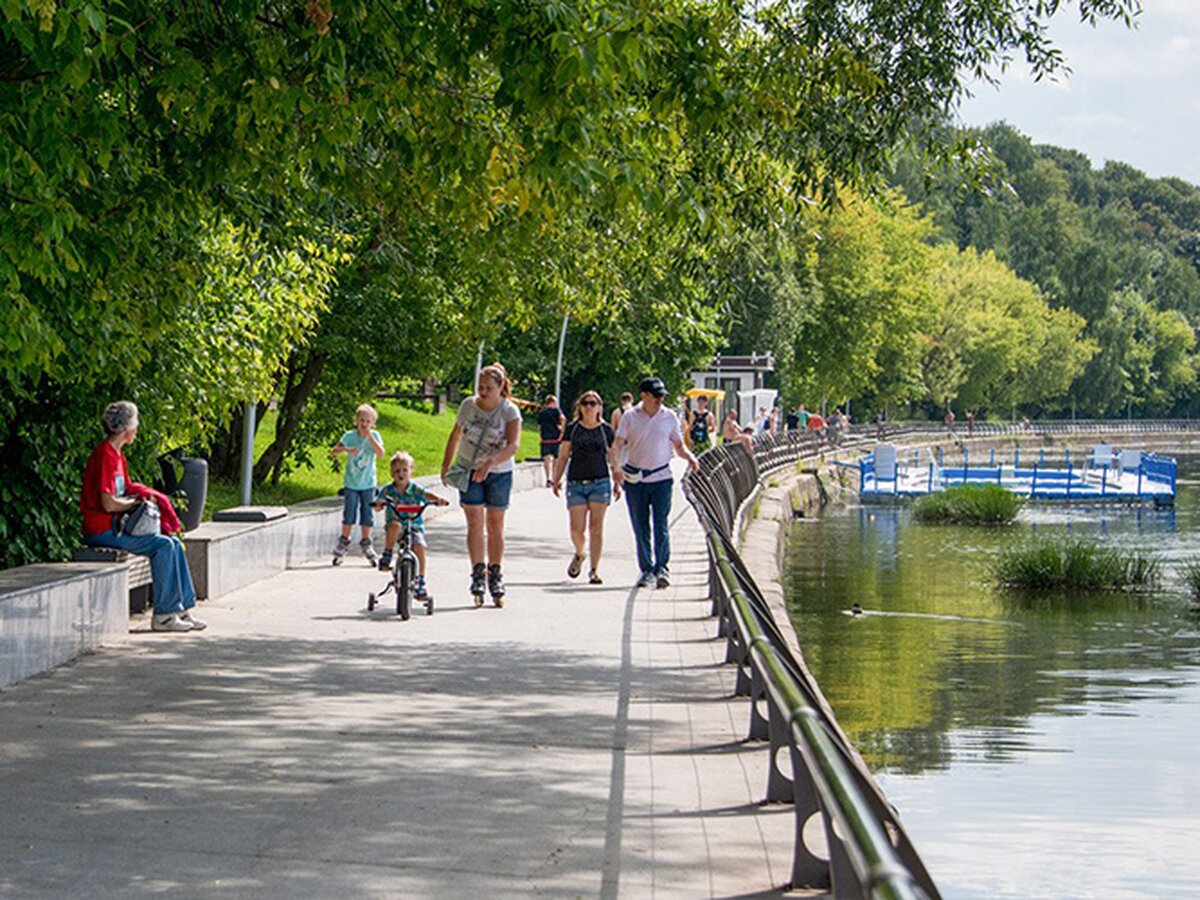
(633, 474)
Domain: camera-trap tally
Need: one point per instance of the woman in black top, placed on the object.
(584, 456)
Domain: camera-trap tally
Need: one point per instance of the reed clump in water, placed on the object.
(1191, 577)
(1075, 566)
(969, 504)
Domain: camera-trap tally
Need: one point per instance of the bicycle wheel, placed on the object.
(404, 589)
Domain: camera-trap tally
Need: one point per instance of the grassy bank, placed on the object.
(421, 434)
(1075, 566)
(969, 504)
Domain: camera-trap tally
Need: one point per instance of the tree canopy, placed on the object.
(212, 203)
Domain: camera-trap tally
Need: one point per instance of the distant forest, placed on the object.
(1118, 248)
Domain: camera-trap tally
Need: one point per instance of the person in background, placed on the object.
(361, 446)
(732, 433)
(700, 426)
(816, 424)
(792, 422)
(550, 425)
(970, 423)
(651, 432)
(585, 458)
(107, 492)
(626, 405)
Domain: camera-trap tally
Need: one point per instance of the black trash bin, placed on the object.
(192, 484)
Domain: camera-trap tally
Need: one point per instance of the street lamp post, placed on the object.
(562, 340)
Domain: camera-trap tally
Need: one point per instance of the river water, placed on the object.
(1035, 746)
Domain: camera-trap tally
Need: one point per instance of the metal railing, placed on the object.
(867, 852)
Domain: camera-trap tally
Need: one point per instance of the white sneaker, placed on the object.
(170, 622)
(197, 624)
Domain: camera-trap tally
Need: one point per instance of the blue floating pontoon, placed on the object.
(1107, 474)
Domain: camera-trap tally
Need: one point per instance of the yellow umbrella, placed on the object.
(704, 392)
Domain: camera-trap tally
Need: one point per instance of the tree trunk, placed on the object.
(291, 407)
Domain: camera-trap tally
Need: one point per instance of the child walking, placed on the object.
(361, 446)
(403, 491)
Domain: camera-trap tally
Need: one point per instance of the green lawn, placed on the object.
(421, 434)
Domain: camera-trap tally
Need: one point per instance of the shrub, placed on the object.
(1075, 566)
(969, 504)
(1191, 577)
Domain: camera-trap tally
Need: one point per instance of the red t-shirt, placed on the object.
(105, 473)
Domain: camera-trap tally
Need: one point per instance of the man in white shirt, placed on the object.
(649, 433)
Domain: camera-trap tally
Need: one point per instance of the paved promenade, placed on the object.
(580, 742)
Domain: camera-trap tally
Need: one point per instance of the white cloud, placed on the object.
(1132, 94)
(1106, 120)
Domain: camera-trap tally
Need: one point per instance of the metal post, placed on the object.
(562, 339)
(248, 451)
(478, 364)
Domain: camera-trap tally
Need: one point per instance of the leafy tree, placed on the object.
(997, 343)
(125, 128)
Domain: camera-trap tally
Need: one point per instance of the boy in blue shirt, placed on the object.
(404, 492)
(361, 446)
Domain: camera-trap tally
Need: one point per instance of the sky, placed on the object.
(1132, 95)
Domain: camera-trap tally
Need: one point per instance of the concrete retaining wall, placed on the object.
(52, 612)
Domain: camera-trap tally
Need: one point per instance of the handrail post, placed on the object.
(760, 728)
(780, 788)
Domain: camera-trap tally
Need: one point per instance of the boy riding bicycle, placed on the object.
(403, 491)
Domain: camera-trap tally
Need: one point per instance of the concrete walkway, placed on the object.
(580, 742)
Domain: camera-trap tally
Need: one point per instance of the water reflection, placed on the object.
(1026, 710)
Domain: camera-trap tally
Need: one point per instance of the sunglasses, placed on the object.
(589, 402)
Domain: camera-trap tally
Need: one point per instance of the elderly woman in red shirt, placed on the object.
(107, 492)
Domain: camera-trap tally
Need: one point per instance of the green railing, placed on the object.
(859, 848)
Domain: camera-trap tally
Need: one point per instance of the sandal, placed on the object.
(575, 566)
(595, 578)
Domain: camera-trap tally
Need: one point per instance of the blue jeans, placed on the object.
(173, 590)
(357, 505)
(643, 500)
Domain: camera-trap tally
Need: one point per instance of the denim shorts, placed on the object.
(417, 539)
(357, 505)
(493, 492)
(582, 493)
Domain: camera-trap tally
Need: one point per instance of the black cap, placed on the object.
(653, 386)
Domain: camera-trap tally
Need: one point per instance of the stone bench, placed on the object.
(52, 612)
(141, 579)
